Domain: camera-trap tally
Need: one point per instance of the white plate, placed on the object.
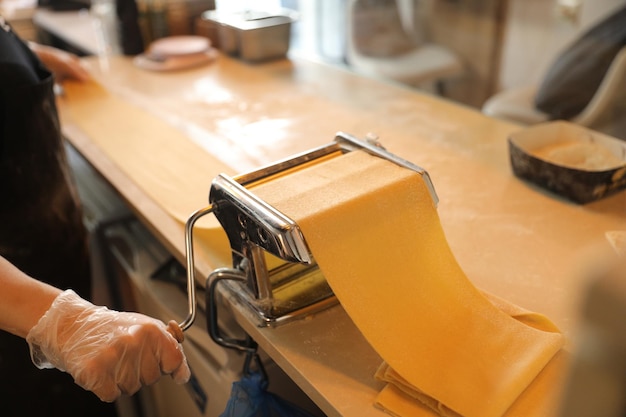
(174, 63)
(179, 45)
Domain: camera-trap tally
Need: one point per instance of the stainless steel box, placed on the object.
(251, 35)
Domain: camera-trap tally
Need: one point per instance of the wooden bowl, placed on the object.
(569, 160)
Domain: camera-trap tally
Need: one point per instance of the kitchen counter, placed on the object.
(511, 238)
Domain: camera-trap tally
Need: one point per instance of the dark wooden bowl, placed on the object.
(575, 179)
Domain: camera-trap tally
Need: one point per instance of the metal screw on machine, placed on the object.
(373, 139)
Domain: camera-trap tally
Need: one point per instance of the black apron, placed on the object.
(41, 229)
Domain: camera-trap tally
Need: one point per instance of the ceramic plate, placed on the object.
(175, 63)
(179, 45)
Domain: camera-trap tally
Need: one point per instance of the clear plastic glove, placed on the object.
(107, 352)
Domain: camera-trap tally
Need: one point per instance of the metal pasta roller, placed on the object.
(273, 272)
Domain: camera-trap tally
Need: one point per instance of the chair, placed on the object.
(605, 112)
(408, 60)
(586, 84)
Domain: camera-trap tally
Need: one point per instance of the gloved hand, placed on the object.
(107, 352)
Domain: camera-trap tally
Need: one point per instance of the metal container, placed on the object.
(251, 35)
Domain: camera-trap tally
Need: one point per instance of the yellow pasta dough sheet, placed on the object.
(374, 231)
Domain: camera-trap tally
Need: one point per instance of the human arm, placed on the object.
(23, 300)
(62, 64)
(107, 352)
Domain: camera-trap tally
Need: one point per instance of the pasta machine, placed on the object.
(273, 272)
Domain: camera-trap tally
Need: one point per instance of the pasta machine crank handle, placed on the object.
(177, 329)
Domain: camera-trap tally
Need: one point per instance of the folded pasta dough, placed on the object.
(375, 233)
(539, 399)
(398, 397)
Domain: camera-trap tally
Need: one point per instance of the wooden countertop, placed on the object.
(511, 238)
